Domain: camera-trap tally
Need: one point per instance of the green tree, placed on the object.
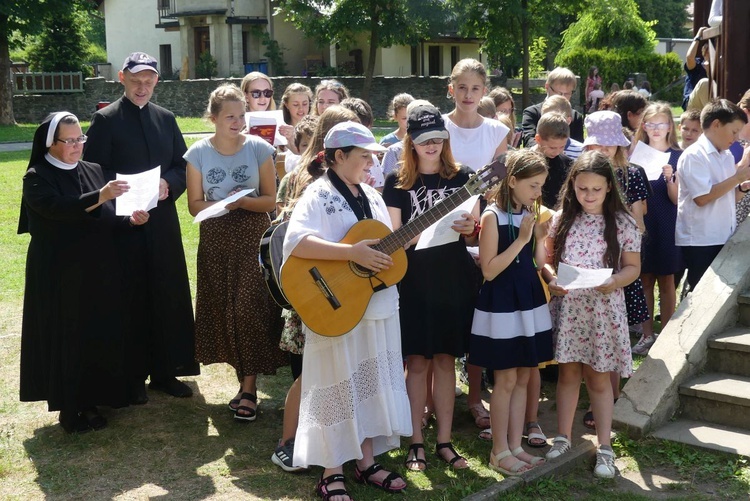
(506, 25)
(61, 46)
(386, 23)
(612, 36)
(671, 15)
(18, 19)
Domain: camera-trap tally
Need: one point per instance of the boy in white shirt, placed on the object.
(709, 186)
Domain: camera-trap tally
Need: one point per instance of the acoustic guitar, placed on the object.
(331, 296)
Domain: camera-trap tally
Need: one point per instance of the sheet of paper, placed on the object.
(219, 208)
(572, 277)
(143, 193)
(441, 232)
(257, 121)
(651, 159)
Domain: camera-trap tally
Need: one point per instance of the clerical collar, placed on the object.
(59, 163)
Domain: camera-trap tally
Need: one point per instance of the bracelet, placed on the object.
(474, 233)
(697, 39)
(739, 187)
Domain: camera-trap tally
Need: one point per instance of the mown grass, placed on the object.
(191, 448)
(24, 133)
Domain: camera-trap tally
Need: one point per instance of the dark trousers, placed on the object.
(698, 260)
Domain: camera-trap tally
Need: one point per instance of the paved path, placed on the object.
(14, 146)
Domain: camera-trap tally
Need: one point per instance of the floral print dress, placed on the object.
(590, 327)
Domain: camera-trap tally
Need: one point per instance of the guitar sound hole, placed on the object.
(360, 271)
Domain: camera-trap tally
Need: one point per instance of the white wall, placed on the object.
(680, 46)
(395, 61)
(131, 27)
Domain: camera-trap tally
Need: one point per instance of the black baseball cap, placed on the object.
(424, 122)
(139, 61)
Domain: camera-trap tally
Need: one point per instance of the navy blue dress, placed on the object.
(512, 326)
(660, 255)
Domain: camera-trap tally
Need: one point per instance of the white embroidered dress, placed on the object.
(352, 385)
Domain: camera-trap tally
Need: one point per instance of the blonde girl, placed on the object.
(295, 104)
(512, 329)
(593, 230)
(661, 258)
(258, 90)
(236, 322)
(476, 142)
(328, 93)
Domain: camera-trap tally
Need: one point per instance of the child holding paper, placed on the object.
(438, 290)
(593, 230)
(236, 321)
(661, 258)
(512, 331)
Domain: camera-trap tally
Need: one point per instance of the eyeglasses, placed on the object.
(566, 95)
(75, 140)
(256, 93)
(655, 126)
(436, 140)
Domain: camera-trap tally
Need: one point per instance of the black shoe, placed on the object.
(95, 420)
(74, 422)
(137, 393)
(172, 387)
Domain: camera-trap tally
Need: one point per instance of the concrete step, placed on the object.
(743, 300)
(729, 352)
(717, 398)
(707, 435)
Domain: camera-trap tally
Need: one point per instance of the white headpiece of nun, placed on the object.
(53, 125)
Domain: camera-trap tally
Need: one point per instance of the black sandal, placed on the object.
(363, 477)
(251, 413)
(456, 456)
(415, 464)
(235, 402)
(322, 488)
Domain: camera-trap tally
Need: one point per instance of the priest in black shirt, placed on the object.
(130, 136)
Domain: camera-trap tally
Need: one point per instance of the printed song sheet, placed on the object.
(143, 193)
(219, 208)
(651, 159)
(572, 277)
(441, 232)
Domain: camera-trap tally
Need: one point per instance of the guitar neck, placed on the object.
(404, 234)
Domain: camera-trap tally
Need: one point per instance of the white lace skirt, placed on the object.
(352, 388)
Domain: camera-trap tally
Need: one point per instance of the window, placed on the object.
(454, 55)
(165, 60)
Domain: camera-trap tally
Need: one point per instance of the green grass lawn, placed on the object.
(191, 448)
(22, 133)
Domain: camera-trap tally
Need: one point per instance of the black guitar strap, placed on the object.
(360, 205)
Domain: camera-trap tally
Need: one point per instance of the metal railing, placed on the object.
(48, 82)
(166, 9)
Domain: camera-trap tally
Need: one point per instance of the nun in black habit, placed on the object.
(71, 341)
(130, 136)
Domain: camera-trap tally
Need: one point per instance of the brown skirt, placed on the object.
(236, 321)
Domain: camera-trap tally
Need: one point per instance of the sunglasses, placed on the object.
(257, 93)
(437, 140)
(75, 140)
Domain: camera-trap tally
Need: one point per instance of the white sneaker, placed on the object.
(560, 445)
(605, 463)
(643, 345)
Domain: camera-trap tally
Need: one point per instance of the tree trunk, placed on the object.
(525, 42)
(6, 85)
(374, 42)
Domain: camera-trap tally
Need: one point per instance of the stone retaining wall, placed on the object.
(189, 97)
